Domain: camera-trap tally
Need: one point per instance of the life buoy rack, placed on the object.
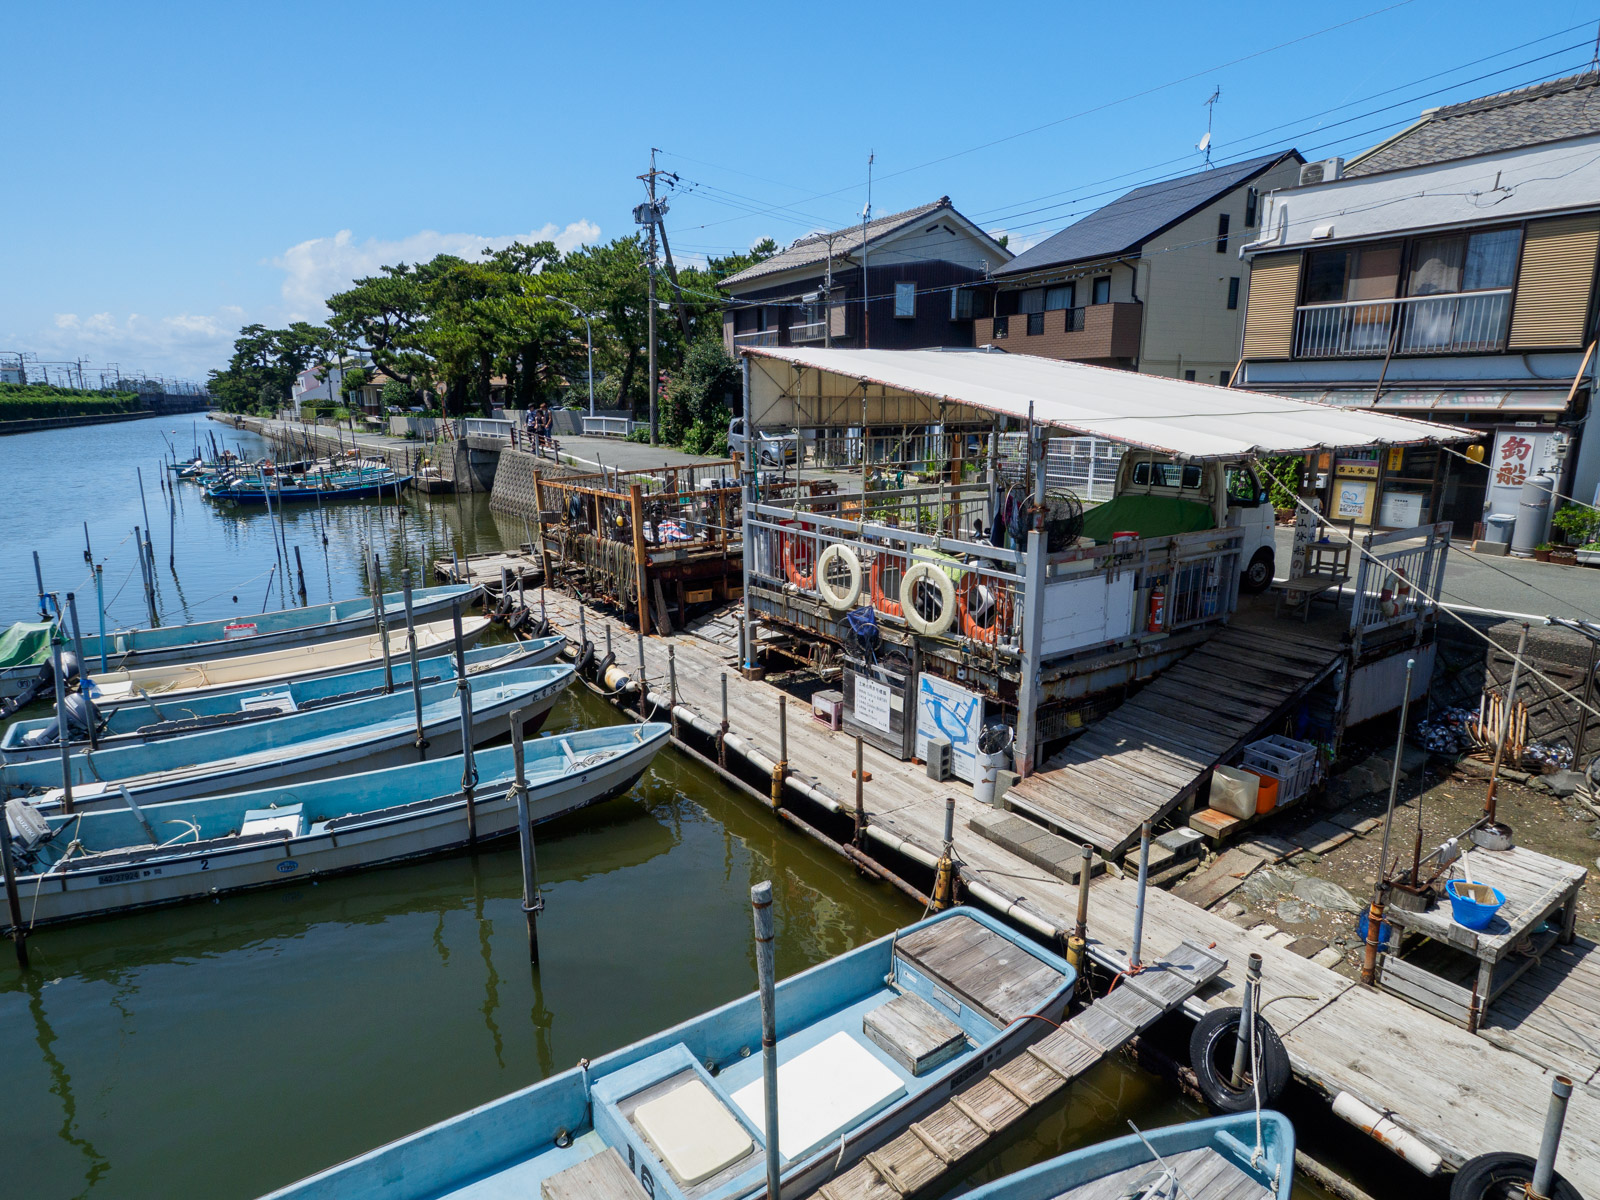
(999, 610)
(836, 597)
(887, 604)
(799, 561)
(943, 588)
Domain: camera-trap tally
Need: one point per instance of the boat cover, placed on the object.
(25, 644)
(1149, 516)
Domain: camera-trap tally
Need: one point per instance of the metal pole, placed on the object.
(644, 687)
(19, 935)
(61, 726)
(83, 669)
(1544, 1167)
(761, 902)
(780, 769)
(38, 575)
(300, 571)
(532, 901)
(1079, 941)
(416, 674)
(1247, 1021)
(944, 873)
(382, 619)
(672, 688)
(469, 769)
(861, 804)
(722, 733)
(1394, 776)
(1138, 913)
(100, 604)
(1505, 724)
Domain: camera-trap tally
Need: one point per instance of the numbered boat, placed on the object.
(867, 1043)
(130, 724)
(1244, 1156)
(113, 860)
(362, 735)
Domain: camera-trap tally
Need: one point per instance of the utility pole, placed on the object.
(827, 301)
(866, 289)
(655, 382)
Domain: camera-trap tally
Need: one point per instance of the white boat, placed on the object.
(94, 864)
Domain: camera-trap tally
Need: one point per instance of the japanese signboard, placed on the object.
(945, 710)
(1520, 453)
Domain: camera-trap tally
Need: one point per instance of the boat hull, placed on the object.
(385, 840)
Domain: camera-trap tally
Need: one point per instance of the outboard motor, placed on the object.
(70, 667)
(82, 715)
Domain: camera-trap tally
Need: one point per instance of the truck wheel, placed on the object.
(1258, 575)
(1501, 1176)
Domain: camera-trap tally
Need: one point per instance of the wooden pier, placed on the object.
(1458, 1093)
(485, 570)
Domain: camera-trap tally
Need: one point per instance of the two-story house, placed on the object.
(1447, 273)
(811, 293)
(1149, 282)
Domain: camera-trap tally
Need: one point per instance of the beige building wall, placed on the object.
(1184, 284)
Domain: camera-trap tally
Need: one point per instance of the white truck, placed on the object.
(1236, 496)
(772, 449)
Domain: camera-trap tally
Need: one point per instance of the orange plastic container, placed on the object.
(1267, 796)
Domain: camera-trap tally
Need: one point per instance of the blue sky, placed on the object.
(173, 171)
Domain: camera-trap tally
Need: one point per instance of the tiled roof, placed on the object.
(1131, 220)
(812, 250)
(1545, 112)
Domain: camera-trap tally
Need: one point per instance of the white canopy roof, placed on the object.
(792, 387)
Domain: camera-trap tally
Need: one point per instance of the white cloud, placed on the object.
(315, 269)
(186, 345)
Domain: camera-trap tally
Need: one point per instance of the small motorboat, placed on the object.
(114, 860)
(151, 720)
(363, 735)
(1243, 1156)
(867, 1043)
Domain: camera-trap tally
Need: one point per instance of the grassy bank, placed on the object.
(28, 402)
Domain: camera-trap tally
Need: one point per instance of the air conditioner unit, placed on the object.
(1324, 171)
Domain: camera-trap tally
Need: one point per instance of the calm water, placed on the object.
(222, 1049)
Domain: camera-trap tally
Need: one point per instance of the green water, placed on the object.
(222, 1049)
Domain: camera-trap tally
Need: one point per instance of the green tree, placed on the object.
(698, 399)
(385, 315)
(265, 364)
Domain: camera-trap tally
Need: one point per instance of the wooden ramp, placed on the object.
(1152, 753)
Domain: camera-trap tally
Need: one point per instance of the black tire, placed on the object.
(1211, 1055)
(1257, 576)
(1502, 1176)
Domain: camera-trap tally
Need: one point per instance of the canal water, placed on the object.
(222, 1049)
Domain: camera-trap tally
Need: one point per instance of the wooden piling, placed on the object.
(532, 901)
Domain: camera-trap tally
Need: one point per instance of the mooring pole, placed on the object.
(83, 668)
(469, 768)
(1079, 941)
(100, 604)
(944, 875)
(38, 576)
(672, 687)
(1247, 1022)
(1138, 913)
(780, 769)
(1394, 775)
(1544, 1167)
(532, 901)
(644, 686)
(382, 619)
(722, 732)
(761, 902)
(1505, 724)
(300, 571)
(19, 935)
(416, 674)
(861, 802)
(61, 725)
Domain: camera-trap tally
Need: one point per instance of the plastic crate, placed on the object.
(1293, 764)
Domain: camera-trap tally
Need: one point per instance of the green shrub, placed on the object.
(1283, 479)
(641, 434)
(28, 402)
(1575, 523)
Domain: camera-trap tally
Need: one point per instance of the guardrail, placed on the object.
(608, 426)
(486, 427)
(1396, 577)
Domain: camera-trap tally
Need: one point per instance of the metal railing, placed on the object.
(1085, 466)
(756, 337)
(485, 427)
(811, 331)
(1396, 574)
(608, 426)
(1460, 323)
(1075, 317)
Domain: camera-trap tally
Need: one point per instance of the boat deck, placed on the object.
(1202, 1174)
(1153, 753)
(1458, 1093)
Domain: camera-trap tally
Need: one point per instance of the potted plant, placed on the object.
(1589, 556)
(1575, 523)
(1541, 552)
(1565, 556)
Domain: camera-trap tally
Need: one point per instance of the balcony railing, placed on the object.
(810, 331)
(1462, 323)
(756, 337)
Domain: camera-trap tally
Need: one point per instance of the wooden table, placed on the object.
(1536, 887)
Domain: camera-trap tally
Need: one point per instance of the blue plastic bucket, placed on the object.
(1388, 935)
(1469, 912)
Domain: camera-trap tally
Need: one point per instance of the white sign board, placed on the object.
(945, 710)
(873, 703)
(1520, 453)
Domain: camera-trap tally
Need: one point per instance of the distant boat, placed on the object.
(1216, 1159)
(314, 623)
(105, 861)
(24, 649)
(361, 735)
(193, 680)
(369, 486)
(133, 724)
(868, 1043)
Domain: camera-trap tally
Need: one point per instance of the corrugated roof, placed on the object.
(1131, 220)
(812, 250)
(1544, 112)
(1191, 420)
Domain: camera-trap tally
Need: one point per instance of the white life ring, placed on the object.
(837, 597)
(915, 574)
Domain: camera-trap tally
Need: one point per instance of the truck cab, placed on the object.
(1232, 492)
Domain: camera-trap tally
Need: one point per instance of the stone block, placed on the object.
(1059, 856)
(1328, 958)
(1182, 842)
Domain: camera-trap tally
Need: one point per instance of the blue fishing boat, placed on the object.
(1244, 1156)
(371, 485)
(259, 631)
(365, 734)
(867, 1043)
(114, 860)
(152, 719)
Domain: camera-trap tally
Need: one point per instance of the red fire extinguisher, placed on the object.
(1158, 610)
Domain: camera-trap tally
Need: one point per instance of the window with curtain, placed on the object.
(1031, 301)
(1491, 259)
(1102, 290)
(1058, 297)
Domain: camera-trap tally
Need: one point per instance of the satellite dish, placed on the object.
(1204, 143)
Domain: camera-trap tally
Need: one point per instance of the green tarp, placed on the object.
(25, 644)
(1149, 516)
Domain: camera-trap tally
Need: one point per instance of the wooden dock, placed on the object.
(939, 1144)
(484, 570)
(1153, 752)
(1457, 1092)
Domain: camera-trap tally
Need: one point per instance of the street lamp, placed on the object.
(589, 334)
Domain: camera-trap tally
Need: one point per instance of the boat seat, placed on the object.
(915, 1034)
(603, 1177)
(692, 1132)
(821, 1093)
(287, 818)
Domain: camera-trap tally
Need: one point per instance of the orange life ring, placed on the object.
(799, 562)
(888, 603)
(1002, 611)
